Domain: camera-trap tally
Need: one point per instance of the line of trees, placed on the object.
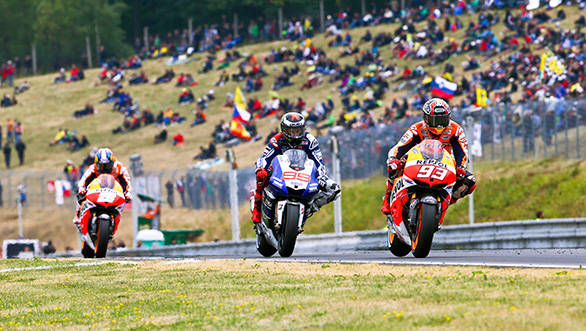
(58, 28)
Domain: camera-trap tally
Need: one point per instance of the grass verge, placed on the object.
(251, 294)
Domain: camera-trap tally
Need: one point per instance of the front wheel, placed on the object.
(425, 229)
(289, 231)
(103, 234)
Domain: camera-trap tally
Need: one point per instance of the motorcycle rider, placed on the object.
(104, 163)
(293, 136)
(436, 125)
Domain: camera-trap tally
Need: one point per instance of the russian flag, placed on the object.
(443, 88)
(240, 113)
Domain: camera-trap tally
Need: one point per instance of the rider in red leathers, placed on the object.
(104, 163)
(293, 136)
(436, 125)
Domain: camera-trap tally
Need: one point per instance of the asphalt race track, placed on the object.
(528, 258)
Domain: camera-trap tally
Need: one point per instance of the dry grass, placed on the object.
(247, 294)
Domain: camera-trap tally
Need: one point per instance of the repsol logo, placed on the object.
(430, 161)
(398, 186)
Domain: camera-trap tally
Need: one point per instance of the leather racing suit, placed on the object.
(329, 190)
(119, 172)
(453, 140)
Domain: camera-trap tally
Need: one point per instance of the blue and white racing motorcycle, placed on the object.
(287, 202)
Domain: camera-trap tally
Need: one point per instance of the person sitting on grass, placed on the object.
(21, 88)
(166, 77)
(178, 140)
(200, 117)
(7, 101)
(206, 153)
(87, 110)
(138, 79)
(60, 78)
(185, 80)
(162, 136)
(186, 97)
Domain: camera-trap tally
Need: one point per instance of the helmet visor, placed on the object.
(105, 167)
(294, 133)
(437, 121)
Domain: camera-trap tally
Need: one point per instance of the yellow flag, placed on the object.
(481, 97)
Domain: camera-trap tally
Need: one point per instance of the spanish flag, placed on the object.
(237, 129)
(481, 97)
(240, 111)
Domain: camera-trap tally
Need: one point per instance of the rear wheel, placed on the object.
(289, 231)
(103, 234)
(425, 229)
(263, 246)
(397, 246)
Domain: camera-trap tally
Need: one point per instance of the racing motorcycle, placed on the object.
(286, 203)
(100, 213)
(420, 198)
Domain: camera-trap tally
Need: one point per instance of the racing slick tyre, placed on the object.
(425, 229)
(289, 231)
(103, 234)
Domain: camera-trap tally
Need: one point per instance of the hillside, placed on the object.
(47, 107)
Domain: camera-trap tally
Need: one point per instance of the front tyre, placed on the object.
(289, 230)
(425, 230)
(103, 234)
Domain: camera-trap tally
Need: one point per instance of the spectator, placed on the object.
(22, 87)
(186, 97)
(9, 129)
(200, 117)
(206, 153)
(178, 140)
(20, 147)
(8, 101)
(86, 111)
(10, 71)
(49, 248)
(162, 136)
(138, 79)
(7, 154)
(180, 184)
(170, 199)
(60, 78)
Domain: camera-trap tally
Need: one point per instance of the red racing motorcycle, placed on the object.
(420, 198)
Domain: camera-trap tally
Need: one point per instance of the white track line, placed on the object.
(79, 264)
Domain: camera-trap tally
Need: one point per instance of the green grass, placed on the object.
(247, 295)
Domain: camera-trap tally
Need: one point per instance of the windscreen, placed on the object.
(107, 181)
(296, 158)
(431, 149)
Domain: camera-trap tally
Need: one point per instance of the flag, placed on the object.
(481, 97)
(237, 129)
(240, 111)
(443, 88)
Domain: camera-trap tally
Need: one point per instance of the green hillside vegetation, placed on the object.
(47, 107)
